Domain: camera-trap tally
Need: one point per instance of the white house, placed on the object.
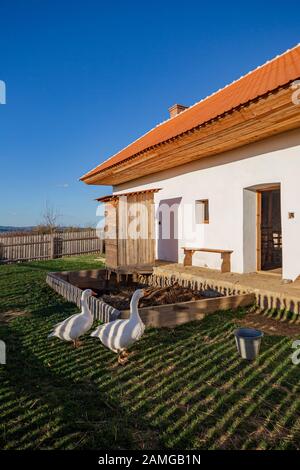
(229, 169)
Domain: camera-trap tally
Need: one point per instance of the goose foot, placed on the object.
(123, 357)
(77, 343)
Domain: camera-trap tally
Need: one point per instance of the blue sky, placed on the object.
(85, 78)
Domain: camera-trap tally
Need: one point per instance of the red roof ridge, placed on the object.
(179, 116)
(229, 84)
(210, 95)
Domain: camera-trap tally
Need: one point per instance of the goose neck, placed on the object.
(134, 313)
(84, 306)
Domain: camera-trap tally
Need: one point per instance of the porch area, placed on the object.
(270, 291)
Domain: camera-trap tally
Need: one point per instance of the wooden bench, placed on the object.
(225, 256)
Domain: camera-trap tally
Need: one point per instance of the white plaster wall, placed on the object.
(222, 179)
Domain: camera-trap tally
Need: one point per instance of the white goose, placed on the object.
(118, 335)
(76, 325)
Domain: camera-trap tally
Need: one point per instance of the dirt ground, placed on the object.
(6, 317)
(270, 326)
(120, 297)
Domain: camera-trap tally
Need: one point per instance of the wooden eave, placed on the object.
(263, 117)
(114, 197)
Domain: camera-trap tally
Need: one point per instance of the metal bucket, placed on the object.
(248, 342)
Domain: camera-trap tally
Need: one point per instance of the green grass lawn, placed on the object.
(183, 388)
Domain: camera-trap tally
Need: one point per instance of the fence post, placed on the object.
(52, 246)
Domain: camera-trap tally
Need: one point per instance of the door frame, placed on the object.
(258, 230)
(268, 187)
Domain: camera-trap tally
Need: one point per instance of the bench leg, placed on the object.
(188, 258)
(225, 266)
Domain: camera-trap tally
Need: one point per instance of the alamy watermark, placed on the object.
(2, 352)
(2, 92)
(171, 220)
(296, 354)
(296, 94)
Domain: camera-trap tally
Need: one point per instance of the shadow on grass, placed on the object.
(51, 411)
(183, 388)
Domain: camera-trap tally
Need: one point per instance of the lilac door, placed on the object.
(168, 229)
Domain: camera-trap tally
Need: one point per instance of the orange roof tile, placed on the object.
(266, 78)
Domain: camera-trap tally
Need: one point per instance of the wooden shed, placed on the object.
(129, 229)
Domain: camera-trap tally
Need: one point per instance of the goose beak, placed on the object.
(146, 292)
(94, 293)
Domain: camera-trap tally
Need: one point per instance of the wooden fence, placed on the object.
(48, 246)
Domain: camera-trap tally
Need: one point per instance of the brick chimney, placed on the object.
(176, 109)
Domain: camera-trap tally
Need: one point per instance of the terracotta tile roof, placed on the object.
(268, 77)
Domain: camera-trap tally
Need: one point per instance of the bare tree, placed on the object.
(50, 218)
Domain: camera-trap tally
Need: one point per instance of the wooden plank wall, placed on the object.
(139, 214)
(47, 246)
(110, 230)
(122, 249)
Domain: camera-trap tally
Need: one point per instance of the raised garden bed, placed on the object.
(119, 295)
(168, 304)
(70, 285)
